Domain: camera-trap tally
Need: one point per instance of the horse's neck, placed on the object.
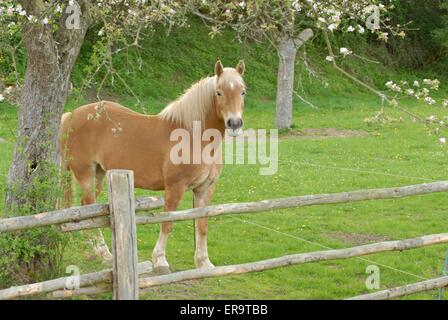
(213, 122)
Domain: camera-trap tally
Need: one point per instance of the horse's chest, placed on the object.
(205, 178)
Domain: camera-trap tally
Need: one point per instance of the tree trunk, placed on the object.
(50, 59)
(285, 82)
(287, 51)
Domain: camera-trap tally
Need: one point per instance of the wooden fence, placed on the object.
(127, 277)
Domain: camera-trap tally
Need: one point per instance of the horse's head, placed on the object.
(229, 96)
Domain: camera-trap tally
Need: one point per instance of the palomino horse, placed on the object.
(102, 136)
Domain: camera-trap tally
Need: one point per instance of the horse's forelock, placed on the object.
(230, 77)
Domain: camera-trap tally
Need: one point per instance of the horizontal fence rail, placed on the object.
(85, 280)
(98, 216)
(93, 282)
(301, 258)
(264, 205)
(71, 215)
(405, 290)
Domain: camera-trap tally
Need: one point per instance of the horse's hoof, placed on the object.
(161, 270)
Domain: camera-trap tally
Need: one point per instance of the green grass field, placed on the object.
(397, 154)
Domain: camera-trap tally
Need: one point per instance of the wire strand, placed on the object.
(327, 247)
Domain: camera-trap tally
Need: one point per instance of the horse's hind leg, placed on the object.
(86, 177)
(101, 247)
(99, 178)
(201, 198)
(173, 196)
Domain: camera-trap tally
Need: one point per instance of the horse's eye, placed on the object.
(243, 93)
(218, 93)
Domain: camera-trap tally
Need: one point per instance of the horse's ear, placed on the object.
(218, 68)
(241, 67)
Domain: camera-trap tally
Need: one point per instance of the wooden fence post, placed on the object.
(124, 235)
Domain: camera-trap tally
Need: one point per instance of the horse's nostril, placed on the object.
(234, 123)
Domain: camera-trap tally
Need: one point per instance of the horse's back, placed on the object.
(94, 111)
(116, 137)
(90, 121)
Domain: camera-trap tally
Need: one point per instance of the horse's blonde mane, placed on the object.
(193, 105)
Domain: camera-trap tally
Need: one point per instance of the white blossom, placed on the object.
(345, 51)
(430, 100)
(383, 36)
(332, 26)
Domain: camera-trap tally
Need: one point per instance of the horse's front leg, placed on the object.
(173, 195)
(202, 198)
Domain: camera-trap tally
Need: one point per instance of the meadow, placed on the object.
(398, 153)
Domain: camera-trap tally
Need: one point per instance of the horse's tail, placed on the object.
(66, 174)
(67, 188)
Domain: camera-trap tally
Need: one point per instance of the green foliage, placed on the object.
(33, 255)
(12, 58)
(440, 34)
(30, 256)
(164, 66)
(425, 43)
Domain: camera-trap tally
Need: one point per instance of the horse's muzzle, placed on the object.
(234, 126)
(234, 123)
